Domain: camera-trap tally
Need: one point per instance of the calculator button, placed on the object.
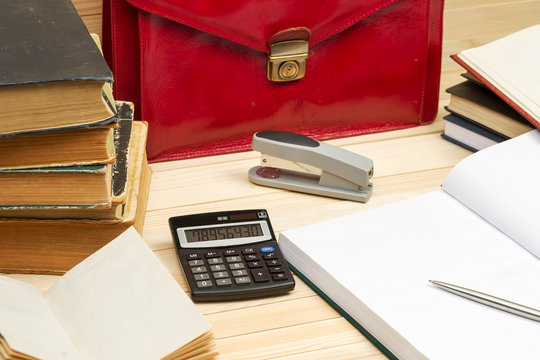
(223, 282)
(267, 249)
(242, 280)
(230, 252)
(210, 254)
(249, 251)
(193, 256)
(204, 276)
(198, 269)
(204, 284)
(254, 264)
(196, 262)
(237, 266)
(214, 261)
(220, 275)
(260, 275)
(233, 259)
(273, 262)
(270, 256)
(278, 277)
(217, 267)
(239, 272)
(276, 269)
(252, 257)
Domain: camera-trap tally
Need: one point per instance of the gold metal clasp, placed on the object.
(287, 60)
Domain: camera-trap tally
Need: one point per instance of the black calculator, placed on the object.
(230, 255)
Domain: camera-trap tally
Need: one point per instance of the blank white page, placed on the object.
(502, 184)
(29, 325)
(511, 64)
(376, 265)
(121, 303)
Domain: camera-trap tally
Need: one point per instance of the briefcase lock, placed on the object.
(287, 60)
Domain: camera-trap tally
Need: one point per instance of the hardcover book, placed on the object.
(53, 71)
(467, 134)
(509, 67)
(74, 147)
(480, 105)
(126, 158)
(53, 246)
(66, 185)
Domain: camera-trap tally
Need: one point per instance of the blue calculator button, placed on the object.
(267, 249)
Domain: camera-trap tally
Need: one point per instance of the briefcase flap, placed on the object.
(253, 23)
(211, 75)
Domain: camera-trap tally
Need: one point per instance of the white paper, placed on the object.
(377, 264)
(502, 184)
(121, 303)
(28, 324)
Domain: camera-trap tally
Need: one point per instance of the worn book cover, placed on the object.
(78, 185)
(53, 246)
(91, 145)
(125, 159)
(53, 71)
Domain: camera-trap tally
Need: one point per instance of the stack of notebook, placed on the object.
(500, 96)
(73, 170)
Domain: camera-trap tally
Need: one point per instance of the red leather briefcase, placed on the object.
(207, 74)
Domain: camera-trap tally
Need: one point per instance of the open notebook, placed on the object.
(119, 303)
(481, 231)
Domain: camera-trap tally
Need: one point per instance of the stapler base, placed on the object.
(308, 183)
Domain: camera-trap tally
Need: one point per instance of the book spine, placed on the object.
(342, 312)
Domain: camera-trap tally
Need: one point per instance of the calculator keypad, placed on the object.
(239, 267)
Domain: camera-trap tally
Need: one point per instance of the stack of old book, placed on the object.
(73, 169)
(500, 97)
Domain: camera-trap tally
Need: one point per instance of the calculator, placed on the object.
(230, 255)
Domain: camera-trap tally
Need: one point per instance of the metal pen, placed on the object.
(490, 300)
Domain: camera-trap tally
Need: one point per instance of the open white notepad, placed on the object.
(480, 232)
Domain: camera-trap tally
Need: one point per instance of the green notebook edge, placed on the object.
(342, 312)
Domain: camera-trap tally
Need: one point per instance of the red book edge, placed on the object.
(495, 90)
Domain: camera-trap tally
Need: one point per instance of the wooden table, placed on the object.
(407, 163)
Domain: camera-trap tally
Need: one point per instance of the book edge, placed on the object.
(342, 312)
(462, 62)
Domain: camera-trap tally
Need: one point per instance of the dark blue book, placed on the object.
(469, 135)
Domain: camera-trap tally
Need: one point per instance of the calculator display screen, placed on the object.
(223, 232)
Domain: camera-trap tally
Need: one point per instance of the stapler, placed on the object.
(296, 162)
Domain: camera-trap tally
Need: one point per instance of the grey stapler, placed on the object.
(296, 162)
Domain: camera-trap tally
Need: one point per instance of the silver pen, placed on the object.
(490, 300)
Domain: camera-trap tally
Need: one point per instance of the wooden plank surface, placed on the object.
(407, 163)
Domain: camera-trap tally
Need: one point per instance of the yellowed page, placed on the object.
(511, 65)
(28, 324)
(121, 303)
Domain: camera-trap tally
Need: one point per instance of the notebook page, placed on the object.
(511, 65)
(29, 325)
(502, 184)
(121, 303)
(376, 265)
